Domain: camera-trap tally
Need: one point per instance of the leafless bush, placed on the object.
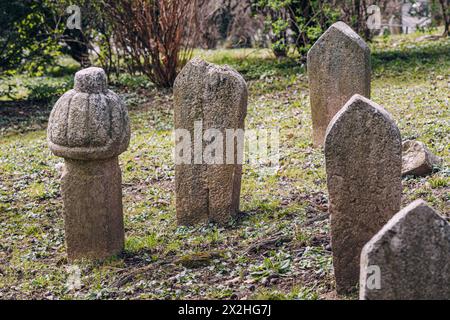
(157, 36)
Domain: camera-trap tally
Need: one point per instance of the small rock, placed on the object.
(417, 160)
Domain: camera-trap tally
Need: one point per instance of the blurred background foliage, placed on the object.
(155, 38)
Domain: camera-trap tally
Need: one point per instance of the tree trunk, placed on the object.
(445, 4)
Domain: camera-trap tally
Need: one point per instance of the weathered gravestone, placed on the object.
(210, 103)
(89, 128)
(363, 163)
(338, 68)
(409, 258)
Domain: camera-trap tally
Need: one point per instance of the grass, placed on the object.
(411, 80)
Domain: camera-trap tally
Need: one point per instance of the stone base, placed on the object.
(207, 193)
(93, 217)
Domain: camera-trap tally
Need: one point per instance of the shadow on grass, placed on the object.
(253, 68)
(22, 116)
(59, 70)
(415, 59)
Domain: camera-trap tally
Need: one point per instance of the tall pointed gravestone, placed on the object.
(409, 258)
(210, 107)
(363, 154)
(338, 68)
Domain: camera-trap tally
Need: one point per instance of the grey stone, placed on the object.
(89, 128)
(338, 68)
(417, 160)
(91, 124)
(93, 214)
(217, 96)
(363, 165)
(412, 254)
(91, 80)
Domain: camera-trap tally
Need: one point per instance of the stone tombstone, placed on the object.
(208, 99)
(338, 67)
(89, 128)
(363, 157)
(409, 258)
